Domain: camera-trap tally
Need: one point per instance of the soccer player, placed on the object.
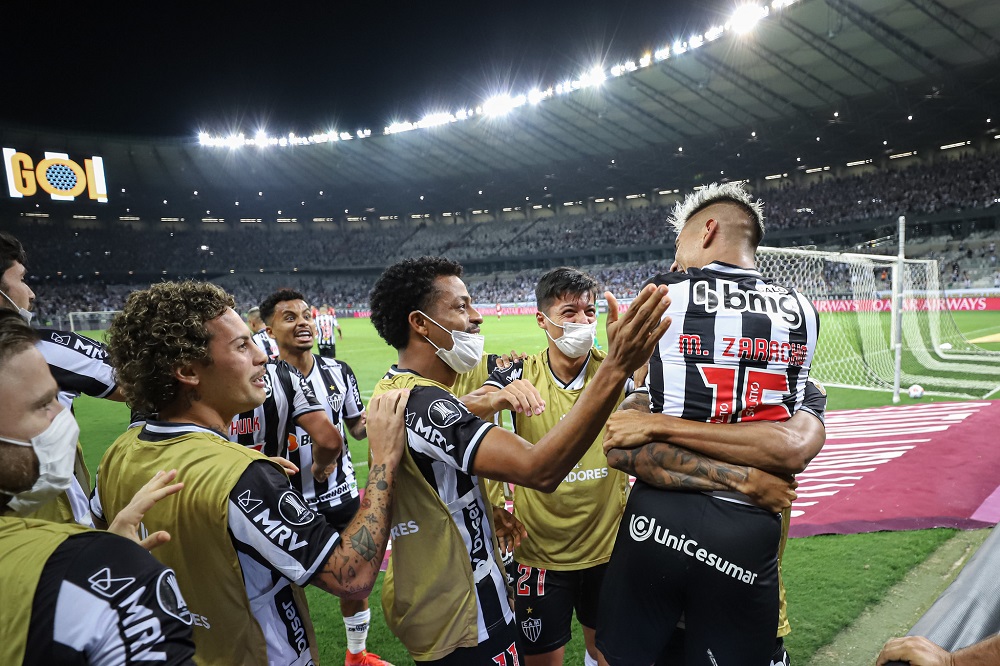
(570, 532)
(79, 366)
(335, 497)
(784, 447)
(243, 539)
(71, 594)
(739, 349)
(260, 337)
(326, 324)
(444, 547)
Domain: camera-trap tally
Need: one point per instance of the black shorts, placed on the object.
(544, 601)
(340, 516)
(328, 351)
(674, 652)
(499, 649)
(715, 562)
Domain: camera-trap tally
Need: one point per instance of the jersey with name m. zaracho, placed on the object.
(739, 347)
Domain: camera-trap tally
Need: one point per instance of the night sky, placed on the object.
(159, 70)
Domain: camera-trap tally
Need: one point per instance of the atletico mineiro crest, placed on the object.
(532, 628)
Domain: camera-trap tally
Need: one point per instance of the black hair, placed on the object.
(267, 307)
(404, 287)
(561, 281)
(11, 251)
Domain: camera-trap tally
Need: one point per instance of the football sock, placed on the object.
(357, 630)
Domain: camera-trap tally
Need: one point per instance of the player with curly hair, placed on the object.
(241, 534)
(445, 553)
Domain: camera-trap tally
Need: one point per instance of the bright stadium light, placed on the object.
(500, 105)
(746, 17)
(645, 60)
(714, 33)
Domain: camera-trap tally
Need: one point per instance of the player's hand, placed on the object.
(520, 396)
(510, 530)
(626, 430)
(320, 473)
(507, 360)
(126, 523)
(916, 650)
(640, 375)
(632, 337)
(769, 492)
(387, 426)
(290, 468)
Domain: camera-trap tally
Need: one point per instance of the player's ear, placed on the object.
(711, 229)
(418, 322)
(540, 319)
(187, 374)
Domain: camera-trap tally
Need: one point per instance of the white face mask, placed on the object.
(576, 340)
(26, 315)
(55, 448)
(466, 350)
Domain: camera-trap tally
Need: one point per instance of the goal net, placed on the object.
(91, 321)
(852, 293)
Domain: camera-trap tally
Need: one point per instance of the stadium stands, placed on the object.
(85, 270)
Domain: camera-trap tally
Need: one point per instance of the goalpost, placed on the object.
(884, 323)
(91, 321)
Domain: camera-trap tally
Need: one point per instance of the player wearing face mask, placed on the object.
(70, 595)
(78, 364)
(570, 532)
(445, 553)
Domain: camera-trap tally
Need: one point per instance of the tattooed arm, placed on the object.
(354, 563)
(671, 467)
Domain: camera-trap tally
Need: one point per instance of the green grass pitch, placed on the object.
(830, 579)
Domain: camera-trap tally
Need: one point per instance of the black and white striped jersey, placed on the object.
(443, 437)
(102, 599)
(326, 327)
(267, 427)
(336, 388)
(739, 347)
(78, 364)
(268, 344)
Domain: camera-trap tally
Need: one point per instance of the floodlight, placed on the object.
(645, 60)
(714, 33)
(745, 18)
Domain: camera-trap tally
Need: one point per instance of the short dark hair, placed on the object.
(11, 250)
(404, 287)
(267, 307)
(15, 335)
(561, 281)
(159, 329)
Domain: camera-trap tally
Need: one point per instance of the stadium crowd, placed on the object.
(945, 185)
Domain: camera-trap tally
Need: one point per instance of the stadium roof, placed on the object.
(821, 82)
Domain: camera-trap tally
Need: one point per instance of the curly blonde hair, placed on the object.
(161, 328)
